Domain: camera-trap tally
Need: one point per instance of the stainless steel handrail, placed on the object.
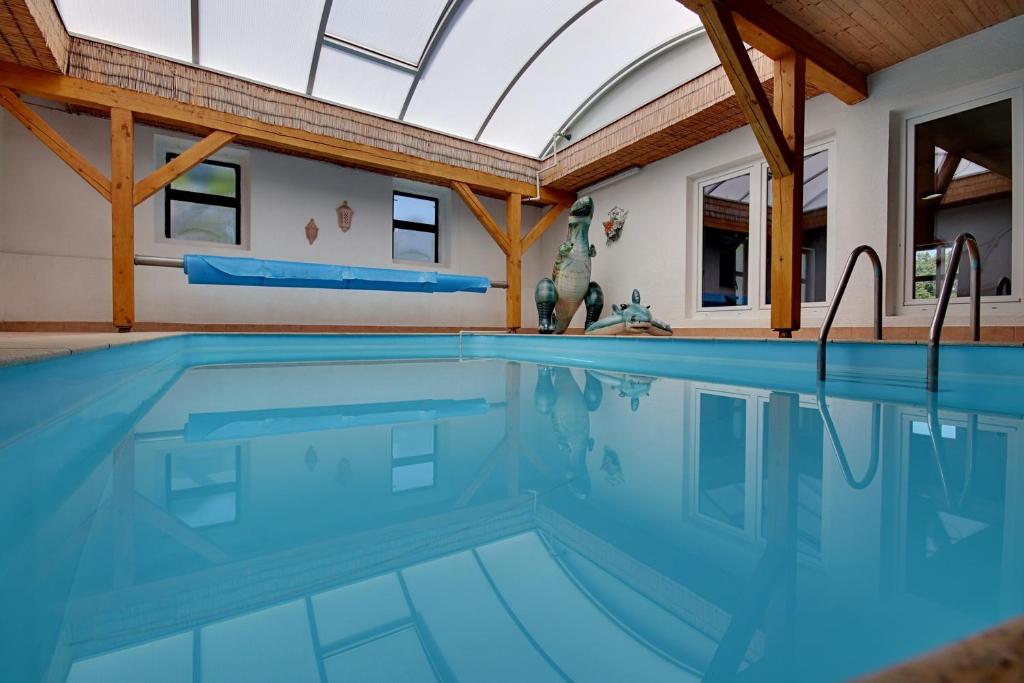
(935, 333)
(826, 326)
(837, 445)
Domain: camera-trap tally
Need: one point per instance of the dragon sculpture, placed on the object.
(630, 318)
(559, 296)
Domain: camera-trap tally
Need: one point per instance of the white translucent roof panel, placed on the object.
(362, 83)
(396, 28)
(488, 43)
(603, 41)
(163, 28)
(262, 40)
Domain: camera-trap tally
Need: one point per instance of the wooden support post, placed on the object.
(514, 262)
(52, 139)
(788, 196)
(480, 211)
(122, 205)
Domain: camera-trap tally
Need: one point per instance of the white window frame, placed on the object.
(828, 146)
(906, 237)
(753, 269)
(445, 233)
(757, 274)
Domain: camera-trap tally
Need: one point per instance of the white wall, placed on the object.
(55, 243)
(657, 252)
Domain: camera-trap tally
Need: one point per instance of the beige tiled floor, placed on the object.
(24, 347)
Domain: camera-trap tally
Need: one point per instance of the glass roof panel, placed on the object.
(395, 28)
(603, 41)
(266, 41)
(488, 43)
(362, 83)
(163, 28)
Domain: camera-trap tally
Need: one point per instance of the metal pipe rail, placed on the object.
(935, 333)
(844, 280)
(170, 262)
(837, 444)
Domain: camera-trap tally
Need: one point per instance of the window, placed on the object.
(414, 228)
(202, 486)
(413, 457)
(205, 204)
(961, 180)
(815, 231)
(725, 254)
(722, 453)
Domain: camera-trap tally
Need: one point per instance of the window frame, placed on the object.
(434, 229)
(905, 242)
(405, 461)
(203, 198)
(750, 169)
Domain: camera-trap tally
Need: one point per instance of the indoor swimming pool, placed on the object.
(503, 508)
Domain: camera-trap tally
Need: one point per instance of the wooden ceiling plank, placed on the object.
(180, 165)
(52, 139)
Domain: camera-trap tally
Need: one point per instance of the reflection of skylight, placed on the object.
(963, 170)
(399, 29)
(736, 189)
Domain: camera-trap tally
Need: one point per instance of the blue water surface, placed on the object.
(496, 508)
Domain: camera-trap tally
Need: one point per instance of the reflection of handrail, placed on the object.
(935, 434)
(826, 326)
(837, 446)
(944, 295)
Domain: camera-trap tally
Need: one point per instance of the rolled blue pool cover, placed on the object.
(252, 272)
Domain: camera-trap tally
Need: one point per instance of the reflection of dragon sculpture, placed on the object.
(558, 395)
(629, 386)
(559, 296)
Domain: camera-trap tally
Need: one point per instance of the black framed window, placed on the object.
(205, 204)
(414, 228)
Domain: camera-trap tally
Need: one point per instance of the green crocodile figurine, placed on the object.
(630, 319)
(559, 296)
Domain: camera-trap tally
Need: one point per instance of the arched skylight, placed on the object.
(509, 74)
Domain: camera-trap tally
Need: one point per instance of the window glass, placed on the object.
(726, 242)
(414, 228)
(413, 457)
(963, 179)
(205, 204)
(723, 458)
(814, 252)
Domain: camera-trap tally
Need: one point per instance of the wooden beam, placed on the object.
(514, 263)
(161, 111)
(788, 197)
(545, 222)
(52, 139)
(180, 165)
(769, 31)
(725, 38)
(122, 204)
(482, 215)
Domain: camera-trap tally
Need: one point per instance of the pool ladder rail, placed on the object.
(826, 325)
(941, 306)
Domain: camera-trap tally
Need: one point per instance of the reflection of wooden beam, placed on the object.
(496, 457)
(52, 139)
(983, 187)
(944, 176)
(179, 531)
(122, 513)
(180, 165)
(482, 215)
(725, 37)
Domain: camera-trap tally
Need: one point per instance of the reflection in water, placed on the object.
(430, 521)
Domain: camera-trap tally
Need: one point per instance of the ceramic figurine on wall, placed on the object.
(630, 319)
(613, 226)
(570, 281)
(345, 213)
(312, 230)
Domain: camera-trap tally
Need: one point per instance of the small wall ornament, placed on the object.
(312, 230)
(613, 226)
(345, 213)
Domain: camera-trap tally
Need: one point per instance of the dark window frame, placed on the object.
(413, 225)
(172, 194)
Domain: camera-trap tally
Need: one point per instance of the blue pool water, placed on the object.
(490, 508)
